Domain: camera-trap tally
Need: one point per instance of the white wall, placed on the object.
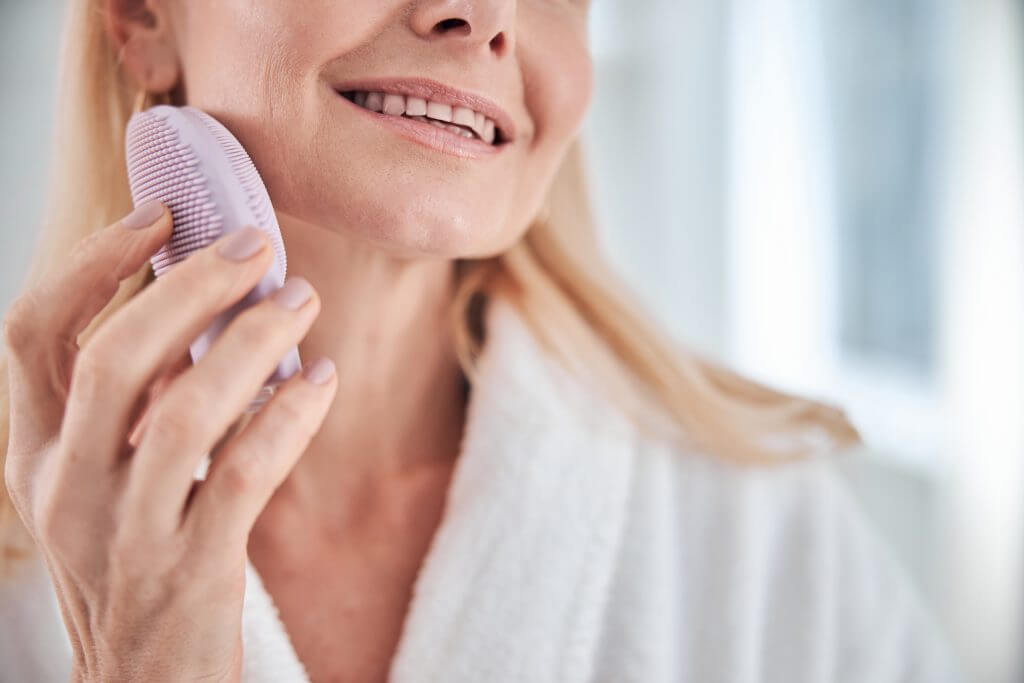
(654, 138)
(29, 34)
(715, 176)
(983, 342)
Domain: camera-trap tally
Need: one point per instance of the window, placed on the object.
(884, 100)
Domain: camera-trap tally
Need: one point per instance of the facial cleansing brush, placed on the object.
(189, 161)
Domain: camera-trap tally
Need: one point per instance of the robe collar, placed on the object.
(515, 582)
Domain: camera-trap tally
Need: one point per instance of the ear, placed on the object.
(140, 31)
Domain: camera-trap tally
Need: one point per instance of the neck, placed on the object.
(396, 423)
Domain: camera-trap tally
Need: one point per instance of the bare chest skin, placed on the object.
(343, 601)
(344, 621)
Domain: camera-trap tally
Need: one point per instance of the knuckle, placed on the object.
(238, 480)
(294, 417)
(14, 479)
(178, 419)
(52, 510)
(103, 285)
(18, 325)
(251, 332)
(98, 370)
(48, 519)
(16, 485)
(91, 263)
(88, 253)
(220, 283)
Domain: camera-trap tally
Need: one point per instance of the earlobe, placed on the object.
(125, 19)
(153, 67)
(140, 33)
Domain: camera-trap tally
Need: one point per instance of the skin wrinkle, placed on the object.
(376, 223)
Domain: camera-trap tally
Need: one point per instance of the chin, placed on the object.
(410, 223)
(425, 232)
(392, 194)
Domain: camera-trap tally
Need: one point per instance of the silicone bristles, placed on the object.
(164, 147)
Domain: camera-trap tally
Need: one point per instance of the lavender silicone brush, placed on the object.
(193, 164)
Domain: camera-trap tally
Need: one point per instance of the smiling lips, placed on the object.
(457, 119)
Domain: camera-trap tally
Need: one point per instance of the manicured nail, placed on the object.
(295, 292)
(243, 244)
(144, 215)
(320, 371)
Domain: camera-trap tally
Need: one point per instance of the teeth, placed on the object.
(445, 126)
(452, 127)
(463, 116)
(440, 112)
(415, 106)
(394, 104)
(441, 115)
(374, 101)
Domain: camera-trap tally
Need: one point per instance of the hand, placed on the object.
(149, 564)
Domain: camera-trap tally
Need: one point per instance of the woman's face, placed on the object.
(291, 79)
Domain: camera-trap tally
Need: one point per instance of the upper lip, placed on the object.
(436, 91)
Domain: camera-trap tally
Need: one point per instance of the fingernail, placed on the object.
(144, 215)
(320, 371)
(243, 244)
(295, 292)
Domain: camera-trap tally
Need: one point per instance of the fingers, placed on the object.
(146, 336)
(250, 466)
(42, 325)
(198, 407)
(158, 386)
(71, 295)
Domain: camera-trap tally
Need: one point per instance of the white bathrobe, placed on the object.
(574, 550)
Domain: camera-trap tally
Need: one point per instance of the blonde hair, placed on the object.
(555, 275)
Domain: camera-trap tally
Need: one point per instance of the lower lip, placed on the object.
(430, 135)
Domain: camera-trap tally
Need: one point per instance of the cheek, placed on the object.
(558, 75)
(257, 54)
(254, 65)
(238, 58)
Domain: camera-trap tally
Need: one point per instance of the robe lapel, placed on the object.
(268, 655)
(515, 582)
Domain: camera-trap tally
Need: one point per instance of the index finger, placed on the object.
(41, 326)
(96, 267)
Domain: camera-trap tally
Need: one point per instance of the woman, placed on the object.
(505, 473)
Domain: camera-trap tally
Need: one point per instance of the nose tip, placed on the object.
(468, 23)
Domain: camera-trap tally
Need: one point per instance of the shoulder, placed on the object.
(789, 550)
(768, 572)
(35, 645)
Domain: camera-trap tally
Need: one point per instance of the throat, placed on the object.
(394, 516)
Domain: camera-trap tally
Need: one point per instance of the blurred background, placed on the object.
(824, 194)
